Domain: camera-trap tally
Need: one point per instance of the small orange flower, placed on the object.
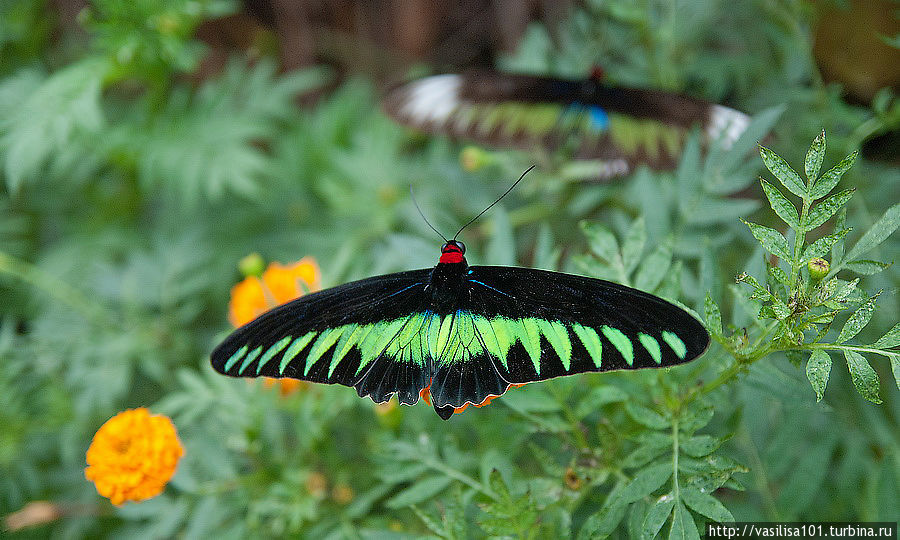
(277, 285)
(133, 456)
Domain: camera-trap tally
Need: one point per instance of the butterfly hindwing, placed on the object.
(346, 335)
(530, 325)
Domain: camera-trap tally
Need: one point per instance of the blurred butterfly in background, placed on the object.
(621, 128)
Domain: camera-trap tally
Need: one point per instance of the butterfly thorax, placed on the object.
(448, 286)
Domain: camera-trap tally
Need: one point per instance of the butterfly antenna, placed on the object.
(411, 194)
(528, 170)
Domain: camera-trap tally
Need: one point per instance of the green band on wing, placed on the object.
(530, 337)
(620, 341)
(234, 358)
(294, 350)
(249, 360)
(652, 346)
(271, 352)
(591, 342)
(558, 337)
(326, 339)
(489, 338)
(675, 343)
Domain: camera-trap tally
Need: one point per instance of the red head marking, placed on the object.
(598, 73)
(452, 252)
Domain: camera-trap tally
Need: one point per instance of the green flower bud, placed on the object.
(818, 268)
(252, 265)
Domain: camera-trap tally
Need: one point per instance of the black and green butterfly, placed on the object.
(466, 333)
(618, 128)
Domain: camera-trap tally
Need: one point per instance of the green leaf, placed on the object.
(779, 203)
(695, 418)
(772, 240)
(643, 415)
(882, 228)
(837, 250)
(821, 212)
(713, 316)
(895, 368)
(633, 244)
(700, 445)
(419, 492)
(818, 368)
(814, 158)
(830, 179)
(502, 245)
(646, 482)
(783, 172)
(598, 397)
(822, 245)
(858, 320)
(890, 339)
(866, 267)
(864, 377)
(602, 523)
(656, 516)
(705, 504)
(653, 445)
(654, 267)
(683, 526)
(601, 241)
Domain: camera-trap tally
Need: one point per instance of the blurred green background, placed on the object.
(147, 146)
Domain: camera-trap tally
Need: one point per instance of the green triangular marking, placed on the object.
(486, 331)
(558, 337)
(344, 344)
(591, 342)
(620, 341)
(378, 339)
(652, 346)
(250, 358)
(530, 336)
(294, 350)
(238, 354)
(326, 339)
(272, 351)
(675, 343)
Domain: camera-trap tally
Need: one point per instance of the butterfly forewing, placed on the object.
(345, 335)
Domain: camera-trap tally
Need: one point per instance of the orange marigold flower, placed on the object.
(278, 284)
(133, 456)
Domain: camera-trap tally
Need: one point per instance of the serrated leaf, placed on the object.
(646, 482)
(882, 228)
(420, 491)
(683, 526)
(694, 419)
(601, 241)
(654, 267)
(599, 397)
(822, 212)
(783, 172)
(779, 203)
(772, 240)
(830, 179)
(818, 368)
(602, 523)
(864, 377)
(633, 244)
(890, 339)
(700, 445)
(647, 417)
(814, 157)
(656, 516)
(713, 316)
(866, 267)
(647, 452)
(822, 245)
(858, 320)
(705, 504)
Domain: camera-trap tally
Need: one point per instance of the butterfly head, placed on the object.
(452, 252)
